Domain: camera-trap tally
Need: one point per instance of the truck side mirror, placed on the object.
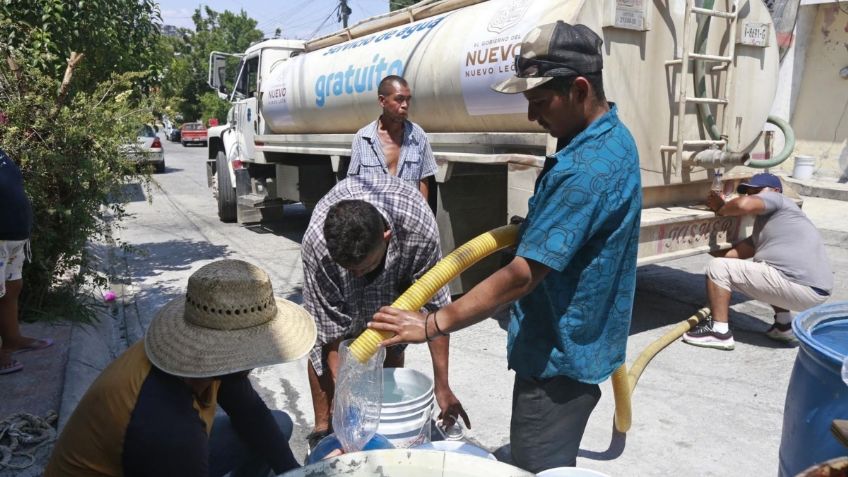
(223, 93)
(218, 72)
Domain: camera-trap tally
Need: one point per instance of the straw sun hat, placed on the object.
(228, 321)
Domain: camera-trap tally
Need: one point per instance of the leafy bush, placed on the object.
(70, 152)
(213, 107)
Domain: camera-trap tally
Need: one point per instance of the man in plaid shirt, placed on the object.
(368, 240)
(392, 144)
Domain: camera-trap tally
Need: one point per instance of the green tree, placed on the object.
(114, 36)
(73, 85)
(212, 106)
(185, 80)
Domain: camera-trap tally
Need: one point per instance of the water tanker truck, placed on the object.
(693, 82)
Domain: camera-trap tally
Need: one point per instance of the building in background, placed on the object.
(813, 88)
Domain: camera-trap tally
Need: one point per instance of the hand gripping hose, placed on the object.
(414, 298)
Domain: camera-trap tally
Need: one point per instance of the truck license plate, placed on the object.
(755, 34)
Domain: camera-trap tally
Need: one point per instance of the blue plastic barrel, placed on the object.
(816, 395)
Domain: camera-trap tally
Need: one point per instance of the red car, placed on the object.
(193, 133)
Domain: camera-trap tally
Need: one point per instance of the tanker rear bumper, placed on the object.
(668, 233)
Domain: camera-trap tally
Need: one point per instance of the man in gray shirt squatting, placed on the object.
(392, 144)
(789, 270)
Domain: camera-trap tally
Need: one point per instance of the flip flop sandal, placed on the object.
(12, 367)
(37, 346)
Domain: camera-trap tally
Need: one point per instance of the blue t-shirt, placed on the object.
(15, 208)
(583, 223)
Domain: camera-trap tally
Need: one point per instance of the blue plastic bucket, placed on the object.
(816, 395)
(330, 443)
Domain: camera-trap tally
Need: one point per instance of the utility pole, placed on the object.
(344, 12)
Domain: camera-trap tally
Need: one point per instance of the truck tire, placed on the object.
(183, 143)
(226, 191)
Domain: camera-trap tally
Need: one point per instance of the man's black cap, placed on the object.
(551, 50)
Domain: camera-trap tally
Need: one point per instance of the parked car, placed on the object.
(193, 133)
(173, 135)
(147, 149)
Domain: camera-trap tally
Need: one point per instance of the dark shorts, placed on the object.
(548, 420)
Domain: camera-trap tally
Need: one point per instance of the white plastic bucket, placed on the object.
(457, 446)
(408, 403)
(804, 167)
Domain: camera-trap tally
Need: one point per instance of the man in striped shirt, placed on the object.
(368, 240)
(392, 144)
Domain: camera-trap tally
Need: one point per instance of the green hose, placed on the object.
(707, 116)
(788, 146)
(700, 77)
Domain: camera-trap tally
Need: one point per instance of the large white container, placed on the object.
(408, 403)
(452, 59)
(408, 463)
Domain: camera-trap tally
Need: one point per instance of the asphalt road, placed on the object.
(695, 411)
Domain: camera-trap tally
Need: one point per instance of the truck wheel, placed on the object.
(226, 191)
(183, 143)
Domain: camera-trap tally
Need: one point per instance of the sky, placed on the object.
(296, 18)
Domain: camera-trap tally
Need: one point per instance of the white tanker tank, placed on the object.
(297, 105)
(452, 59)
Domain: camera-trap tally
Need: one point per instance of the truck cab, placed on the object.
(234, 141)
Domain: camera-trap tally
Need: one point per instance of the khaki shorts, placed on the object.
(12, 254)
(762, 282)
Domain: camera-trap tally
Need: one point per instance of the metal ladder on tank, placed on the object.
(724, 60)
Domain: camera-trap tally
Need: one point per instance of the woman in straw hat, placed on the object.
(152, 411)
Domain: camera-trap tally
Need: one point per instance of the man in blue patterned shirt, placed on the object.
(574, 274)
(392, 144)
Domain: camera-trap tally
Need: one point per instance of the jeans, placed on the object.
(548, 420)
(228, 453)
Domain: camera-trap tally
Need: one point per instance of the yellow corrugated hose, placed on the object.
(624, 382)
(414, 298)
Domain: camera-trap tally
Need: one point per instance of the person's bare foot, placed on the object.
(27, 344)
(8, 364)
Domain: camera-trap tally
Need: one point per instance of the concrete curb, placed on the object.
(94, 346)
(825, 189)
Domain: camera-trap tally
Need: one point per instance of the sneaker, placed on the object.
(782, 333)
(704, 335)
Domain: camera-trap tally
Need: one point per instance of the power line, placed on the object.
(295, 11)
(310, 21)
(335, 10)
